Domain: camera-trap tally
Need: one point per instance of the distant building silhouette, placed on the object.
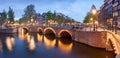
(64, 16)
(39, 18)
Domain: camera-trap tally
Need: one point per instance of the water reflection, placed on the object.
(39, 37)
(1, 45)
(49, 42)
(50, 46)
(21, 34)
(10, 41)
(28, 38)
(32, 44)
(65, 46)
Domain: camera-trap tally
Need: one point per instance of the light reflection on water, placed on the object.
(21, 34)
(39, 37)
(10, 43)
(32, 44)
(51, 46)
(49, 43)
(66, 48)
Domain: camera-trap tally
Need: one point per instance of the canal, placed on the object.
(34, 45)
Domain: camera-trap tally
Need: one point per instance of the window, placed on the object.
(115, 13)
(115, 8)
(115, 4)
(118, 6)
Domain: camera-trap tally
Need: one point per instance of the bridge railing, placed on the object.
(67, 26)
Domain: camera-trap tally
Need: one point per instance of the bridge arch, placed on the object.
(114, 38)
(49, 31)
(40, 30)
(23, 29)
(65, 33)
(111, 45)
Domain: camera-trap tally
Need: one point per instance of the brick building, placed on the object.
(110, 13)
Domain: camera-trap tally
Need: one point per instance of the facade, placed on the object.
(116, 12)
(110, 13)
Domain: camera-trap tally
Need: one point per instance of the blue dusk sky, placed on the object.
(76, 9)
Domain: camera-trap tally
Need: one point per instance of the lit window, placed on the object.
(115, 14)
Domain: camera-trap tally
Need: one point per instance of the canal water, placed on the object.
(34, 45)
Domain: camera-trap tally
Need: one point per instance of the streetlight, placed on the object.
(94, 11)
(91, 19)
(31, 19)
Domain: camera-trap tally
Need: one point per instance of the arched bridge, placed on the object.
(58, 32)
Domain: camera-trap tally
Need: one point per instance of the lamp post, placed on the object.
(94, 11)
(91, 19)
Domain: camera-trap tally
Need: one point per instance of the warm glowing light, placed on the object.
(32, 20)
(66, 48)
(49, 43)
(15, 24)
(96, 22)
(21, 33)
(12, 40)
(32, 44)
(94, 11)
(9, 43)
(28, 38)
(91, 19)
(39, 37)
(8, 21)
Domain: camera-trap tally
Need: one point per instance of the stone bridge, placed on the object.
(58, 32)
(99, 39)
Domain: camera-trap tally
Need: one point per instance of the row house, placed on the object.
(110, 13)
